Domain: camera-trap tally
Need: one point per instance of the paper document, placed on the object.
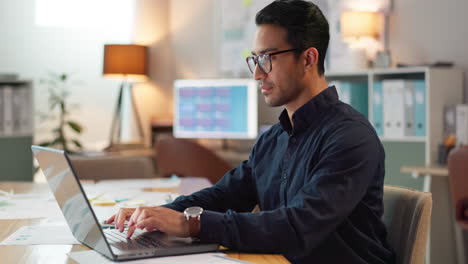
(41, 235)
(24, 206)
(172, 182)
(128, 200)
(91, 256)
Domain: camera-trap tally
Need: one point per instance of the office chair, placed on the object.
(113, 167)
(458, 179)
(407, 216)
(183, 157)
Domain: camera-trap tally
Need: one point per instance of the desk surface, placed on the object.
(432, 170)
(58, 253)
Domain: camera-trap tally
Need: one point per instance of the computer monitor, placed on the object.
(224, 108)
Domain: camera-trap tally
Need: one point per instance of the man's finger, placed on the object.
(143, 215)
(110, 220)
(149, 224)
(130, 231)
(135, 215)
(121, 221)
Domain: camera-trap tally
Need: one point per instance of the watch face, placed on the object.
(193, 211)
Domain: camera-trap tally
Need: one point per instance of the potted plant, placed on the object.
(58, 85)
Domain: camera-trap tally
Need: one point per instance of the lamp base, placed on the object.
(383, 59)
(115, 135)
(125, 146)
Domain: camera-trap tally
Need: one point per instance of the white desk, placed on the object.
(58, 253)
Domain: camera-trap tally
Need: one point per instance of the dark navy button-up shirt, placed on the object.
(319, 185)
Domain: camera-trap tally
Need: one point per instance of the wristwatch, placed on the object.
(192, 214)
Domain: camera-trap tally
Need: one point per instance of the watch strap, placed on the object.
(194, 225)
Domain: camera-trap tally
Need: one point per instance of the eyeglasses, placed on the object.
(263, 60)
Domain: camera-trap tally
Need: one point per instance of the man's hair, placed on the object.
(305, 24)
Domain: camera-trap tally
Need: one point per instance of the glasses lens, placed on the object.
(251, 63)
(265, 62)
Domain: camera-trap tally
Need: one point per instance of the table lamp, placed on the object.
(129, 63)
(357, 24)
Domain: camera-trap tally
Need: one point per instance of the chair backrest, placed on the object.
(113, 167)
(407, 215)
(187, 158)
(458, 179)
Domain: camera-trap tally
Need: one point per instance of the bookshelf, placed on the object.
(442, 86)
(16, 130)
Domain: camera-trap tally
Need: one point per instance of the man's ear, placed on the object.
(311, 58)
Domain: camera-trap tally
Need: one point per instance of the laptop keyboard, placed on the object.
(138, 241)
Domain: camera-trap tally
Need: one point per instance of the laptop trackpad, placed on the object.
(168, 241)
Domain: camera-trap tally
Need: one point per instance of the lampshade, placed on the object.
(129, 61)
(360, 24)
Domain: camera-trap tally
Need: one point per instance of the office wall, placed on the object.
(426, 31)
(33, 50)
(420, 31)
(195, 42)
(154, 98)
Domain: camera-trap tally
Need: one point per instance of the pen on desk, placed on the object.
(96, 197)
(121, 200)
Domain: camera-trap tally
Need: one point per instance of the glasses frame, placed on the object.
(265, 56)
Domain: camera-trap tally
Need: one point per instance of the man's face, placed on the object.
(280, 86)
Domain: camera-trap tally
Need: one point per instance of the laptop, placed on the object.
(71, 198)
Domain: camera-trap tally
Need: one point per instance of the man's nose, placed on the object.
(258, 73)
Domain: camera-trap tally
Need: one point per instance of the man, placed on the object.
(317, 175)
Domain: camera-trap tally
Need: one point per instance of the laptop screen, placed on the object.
(71, 198)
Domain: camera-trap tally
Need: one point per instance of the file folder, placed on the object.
(393, 107)
(419, 87)
(7, 110)
(359, 97)
(377, 108)
(409, 109)
(345, 92)
(2, 109)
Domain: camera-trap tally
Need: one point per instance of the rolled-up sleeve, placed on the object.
(235, 190)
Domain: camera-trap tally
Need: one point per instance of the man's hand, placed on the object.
(120, 217)
(152, 218)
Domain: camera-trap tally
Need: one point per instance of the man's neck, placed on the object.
(314, 88)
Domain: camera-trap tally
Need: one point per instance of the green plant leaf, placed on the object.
(45, 144)
(77, 143)
(75, 126)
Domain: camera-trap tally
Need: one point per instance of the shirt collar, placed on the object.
(309, 112)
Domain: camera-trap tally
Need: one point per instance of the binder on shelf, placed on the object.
(359, 97)
(337, 85)
(17, 108)
(399, 107)
(26, 116)
(461, 132)
(7, 110)
(354, 94)
(419, 87)
(450, 118)
(1, 110)
(344, 91)
(393, 108)
(377, 108)
(408, 109)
